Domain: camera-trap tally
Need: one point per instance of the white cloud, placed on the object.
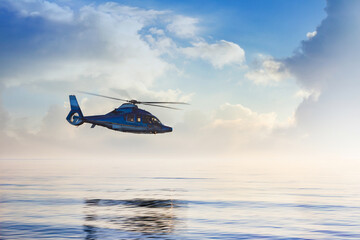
(311, 34)
(267, 70)
(306, 94)
(328, 64)
(229, 130)
(183, 26)
(156, 31)
(44, 9)
(218, 54)
(161, 43)
(4, 116)
(102, 49)
(239, 118)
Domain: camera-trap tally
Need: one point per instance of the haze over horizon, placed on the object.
(279, 81)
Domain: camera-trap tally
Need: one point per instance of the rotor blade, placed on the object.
(166, 103)
(121, 93)
(98, 95)
(160, 106)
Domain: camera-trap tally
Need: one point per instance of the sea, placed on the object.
(125, 199)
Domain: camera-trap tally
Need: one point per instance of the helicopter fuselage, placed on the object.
(127, 118)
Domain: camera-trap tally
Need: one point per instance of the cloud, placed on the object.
(218, 54)
(331, 53)
(230, 130)
(328, 64)
(267, 70)
(306, 94)
(161, 43)
(240, 127)
(240, 118)
(156, 31)
(311, 34)
(101, 48)
(43, 9)
(183, 26)
(4, 116)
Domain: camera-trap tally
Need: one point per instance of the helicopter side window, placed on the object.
(138, 118)
(130, 118)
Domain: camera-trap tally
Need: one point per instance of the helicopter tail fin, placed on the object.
(75, 116)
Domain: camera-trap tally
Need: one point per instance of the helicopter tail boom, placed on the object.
(75, 116)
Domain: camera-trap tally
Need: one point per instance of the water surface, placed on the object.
(53, 199)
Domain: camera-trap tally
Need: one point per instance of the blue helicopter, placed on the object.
(126, 118)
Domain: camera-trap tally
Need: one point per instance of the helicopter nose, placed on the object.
(167, 129)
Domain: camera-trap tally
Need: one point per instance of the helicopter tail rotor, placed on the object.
(75, 116)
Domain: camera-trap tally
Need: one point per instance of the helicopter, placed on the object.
(126, 118)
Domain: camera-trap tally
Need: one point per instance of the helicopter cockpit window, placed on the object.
(130, 118)
(155, 120)
(151, 119)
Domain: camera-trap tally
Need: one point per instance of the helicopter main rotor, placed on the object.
(133, 101)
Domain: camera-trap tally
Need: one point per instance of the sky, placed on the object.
(264, 79)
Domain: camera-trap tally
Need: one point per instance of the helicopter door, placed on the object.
(147, 120)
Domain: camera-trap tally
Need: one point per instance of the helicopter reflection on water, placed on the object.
(141, 217)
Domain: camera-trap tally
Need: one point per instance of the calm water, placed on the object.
(105, 200)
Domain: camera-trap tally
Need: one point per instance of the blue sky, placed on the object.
(255, 72)
(271, 27)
